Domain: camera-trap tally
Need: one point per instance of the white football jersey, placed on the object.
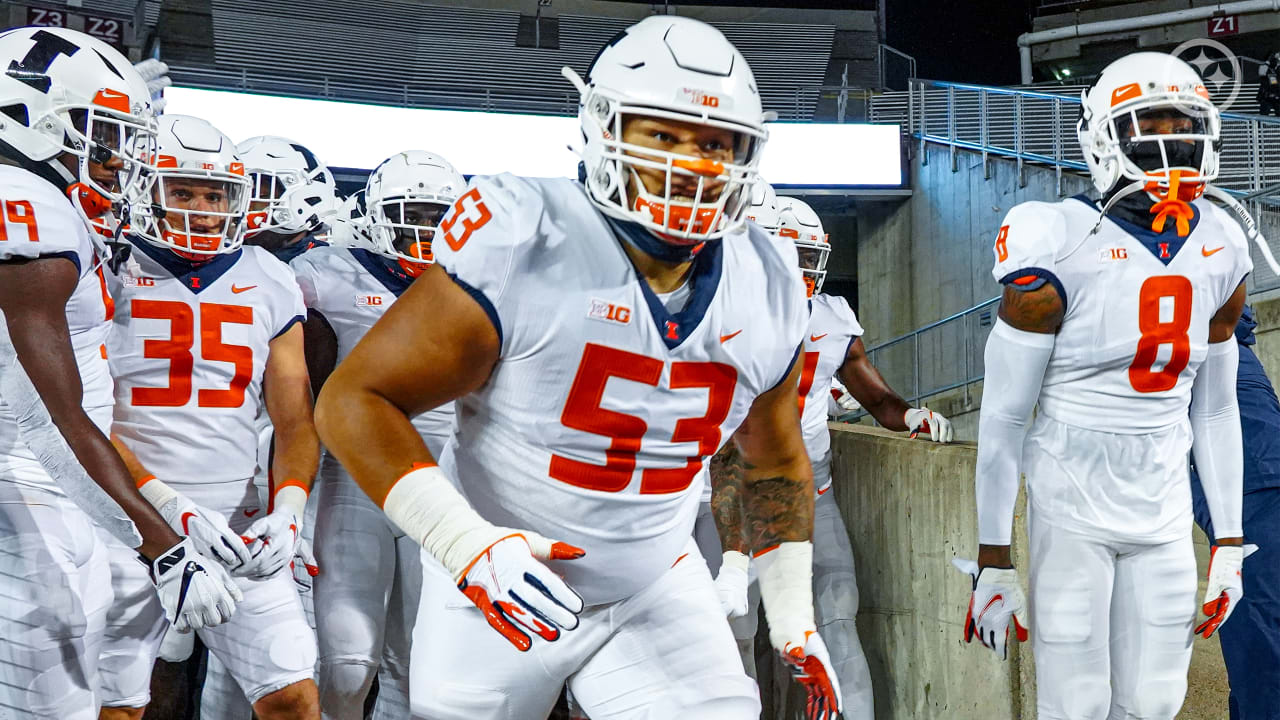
(36, 220)
(596, 422)
(832, 329)
(188, 349)
(1138, 306)
(351, 288)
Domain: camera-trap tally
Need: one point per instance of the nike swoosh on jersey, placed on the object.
(730, 336)
(251, 513)
(1207, 252)
(816, 338)
(237, 290)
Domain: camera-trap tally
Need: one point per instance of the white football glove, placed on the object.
(271, 540)
(786, 587)
(843, 397)
(923, 420)
(997, 597)
(194, 591)
(518, 594)
(208, 530)
(1224, 590)
(304, 566)
(731, 583)
(156, 74)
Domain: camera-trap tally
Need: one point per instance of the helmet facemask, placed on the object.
(404, 227)
(688, 199)
(814, 251)
(267, 209)
(111, 146)
(196, 214)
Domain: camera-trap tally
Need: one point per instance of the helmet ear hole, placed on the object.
(18, 112)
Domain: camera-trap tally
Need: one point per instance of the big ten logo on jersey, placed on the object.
(467, 215)
(694, 404)
(609, 312)
(1112, 254)
(18, 212)
(373, 301)
(137, 282)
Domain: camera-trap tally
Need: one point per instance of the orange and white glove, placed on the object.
(923, 420)
(304, 565)
(273, 537)
(786, 588)
(208, 530)
(996, 600)
(1225, 587)
(499, 569)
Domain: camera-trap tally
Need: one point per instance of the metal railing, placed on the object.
(925, 360)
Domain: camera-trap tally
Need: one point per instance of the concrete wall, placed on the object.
(909, 509)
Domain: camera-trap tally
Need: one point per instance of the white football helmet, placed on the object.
(798, 221)
(764, 206)
(407, 195)
(66, 92)
(671, 68)
(292, 191)
(1147, 85)
(198, 196)
(349, 227)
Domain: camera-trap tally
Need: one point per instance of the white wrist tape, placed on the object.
(735, 559)
(37, 431)
(291, 498)
(425, 505)
(1217, 438)
(157, 493)
(786, 587)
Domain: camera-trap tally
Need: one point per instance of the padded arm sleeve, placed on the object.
(1015, 366)
(1217, 438)
(37, 431)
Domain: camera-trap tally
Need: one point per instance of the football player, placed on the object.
(602, 339)
(367, 598)
(294, 196)
(76, 131)
(1117, 316)
(205, 331)
(833, 349)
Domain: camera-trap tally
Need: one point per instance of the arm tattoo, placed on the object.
(728, 472)
(1039, 310)
(779, 509)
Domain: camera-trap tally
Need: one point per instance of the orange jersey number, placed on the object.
(19, 212)
(806, 377)
(582, 411)
(177, 350)
(1156, 332)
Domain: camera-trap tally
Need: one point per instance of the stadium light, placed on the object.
(360, 136)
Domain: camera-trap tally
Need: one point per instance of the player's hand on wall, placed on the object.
(927, 422)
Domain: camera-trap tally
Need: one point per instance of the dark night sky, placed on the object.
(962, 40)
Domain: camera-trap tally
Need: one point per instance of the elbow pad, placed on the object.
(1015, 366)
(1217, 442)
(37, 431)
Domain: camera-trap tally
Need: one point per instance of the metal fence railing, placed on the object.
(940, 357)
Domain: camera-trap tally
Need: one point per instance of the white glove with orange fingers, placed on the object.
(273, 538)
(997, 598)
(207, 530)
(786, 587)
(304, 565)
(923, 420)
(1225, 587)
(498, 569)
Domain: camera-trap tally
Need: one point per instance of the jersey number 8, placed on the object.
(1156, 332)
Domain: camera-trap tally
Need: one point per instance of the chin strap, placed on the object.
(1250, 227)
(1120, 194)
(1172, 205)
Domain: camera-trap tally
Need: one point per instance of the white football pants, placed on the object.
(662, 653)
(1110, 624)
(55, 589)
